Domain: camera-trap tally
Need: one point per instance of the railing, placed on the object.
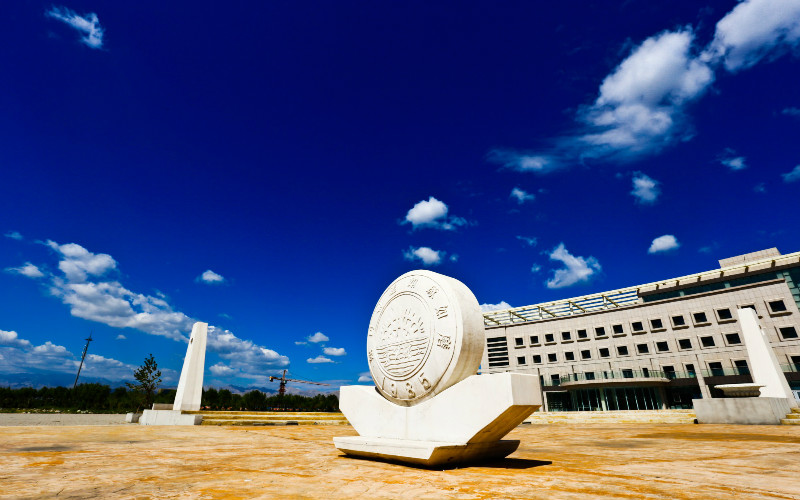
(725, 372)
(617, 375)
(791, 368)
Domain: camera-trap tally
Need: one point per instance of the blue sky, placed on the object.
(270, 167)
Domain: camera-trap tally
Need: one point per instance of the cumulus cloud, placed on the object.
(221, 370)
(364, 377)
(528, 240)
(792, 176)
(432, 213)
(334, 351)
(753, 30)
(210, 277)
(88, 25)
(523, 162)
(576, 269)
(317, 338)
(319, 359)
(426, 255)
(535, 268)
(14, 235)
(521, 196)
(244, 355)
(27, 269)
(78, 264)
(645, 189)
(121, 337)
(664, 243)
(12, 339)
(732, 161)
(495, 307)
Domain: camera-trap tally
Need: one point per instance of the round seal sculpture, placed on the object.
(426, 334)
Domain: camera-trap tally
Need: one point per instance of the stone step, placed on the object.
(221, 421)
(796, 410)
(790, 421)
(285, 416)
(243, 412)
(793, 416)
(603, 417)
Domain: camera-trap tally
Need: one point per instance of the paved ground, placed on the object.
(60, 419)
(636, 461)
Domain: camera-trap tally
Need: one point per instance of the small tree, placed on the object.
(148, 377)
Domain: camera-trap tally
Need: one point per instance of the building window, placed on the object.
(684, 344)
(622, 350)
(642, 348)
(707, 341)
(657, 324)
(662, 346)
(569, 356)
(678, 321)
(690, 370)
(537, 359)
(600, 331)
(700, 318)
(549, 338)
(519, 342)
(776, 306)
(646, 372)
(669, 372)
(534, 339)
(566, 336)
(582, 334)
(556, 379)
(497, 351)
(749, 306)
(586, 354)
(732, 339)
(741, 367)
(521, 360)
(795, 362)
(618, 329)
(787, 332)
(637, 327)
(715, 367)
(589, 375)
(724, 314)
(552, 358)
(604, 352)
(627, 373)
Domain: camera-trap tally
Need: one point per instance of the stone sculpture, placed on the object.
(424, 346)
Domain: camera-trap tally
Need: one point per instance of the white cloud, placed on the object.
(26, 269)
(365, 377)
(319, 359)
(663, 244)
(78, 264)
(11, 339)
(244, 355)
(121, 337)
(317, 338)
(432, 213)
(786, 111)
(454, 257)
(792, 176)
(14, 235)
(426, 255)
(536, 268)
(300, 342)
(755, 29)
(645, 189)
(529, 241)
(334, 351)
(210, 277)
(576, 270)
(221, 370)
(521, 196)
(522, 162)
(495, 307)
(88, 25)
(732, 161)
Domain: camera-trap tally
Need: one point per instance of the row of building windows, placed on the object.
(715, 369)
(662, 346)
(678, 321)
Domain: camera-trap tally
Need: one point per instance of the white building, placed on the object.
(652, 346)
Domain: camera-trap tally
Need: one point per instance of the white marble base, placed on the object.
(745, 411)
(465, 422)
(132, 418)
(428, 453)
(169, 417)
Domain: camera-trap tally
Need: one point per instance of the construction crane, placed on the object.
(282, 379)
(86, 348)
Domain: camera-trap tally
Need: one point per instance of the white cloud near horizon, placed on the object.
(88, 25)
(317, 338)
(521, 196)
(334, 351)
(432, 213)
(495, 307)
(365, 377)
(793, 175)
(27, 269)
(576, 269)
(210, 277)
(426, 255)
(664, 243)
(646, 190)
(319, 359)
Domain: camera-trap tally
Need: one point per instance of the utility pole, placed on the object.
(85, 348)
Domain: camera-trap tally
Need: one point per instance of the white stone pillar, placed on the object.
(764, 365)
(190, 386)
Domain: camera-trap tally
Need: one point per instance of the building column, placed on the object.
(662, 393)
(701, 381)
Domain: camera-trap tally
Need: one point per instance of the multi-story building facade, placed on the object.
(652, 346)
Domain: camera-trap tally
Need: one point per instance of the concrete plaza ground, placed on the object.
(638, 461)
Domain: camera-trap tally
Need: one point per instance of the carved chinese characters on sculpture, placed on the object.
(426, 334)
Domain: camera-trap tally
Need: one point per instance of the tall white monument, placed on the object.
(424, 346)
(190, 385)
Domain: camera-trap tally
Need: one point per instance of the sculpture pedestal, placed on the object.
(463, 423)
(169, 417)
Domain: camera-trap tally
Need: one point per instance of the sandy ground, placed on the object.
(60, 419)
(636, 461)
